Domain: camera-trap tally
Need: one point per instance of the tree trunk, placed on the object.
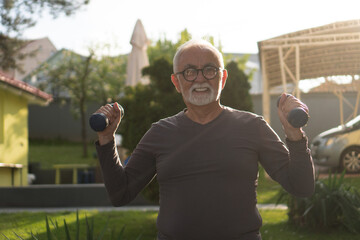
(82, 103)
(83, 128)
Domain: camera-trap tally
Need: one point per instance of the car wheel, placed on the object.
(350, 160)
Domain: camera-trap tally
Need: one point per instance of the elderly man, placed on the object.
(206, 157)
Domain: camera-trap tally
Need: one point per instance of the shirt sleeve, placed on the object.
(291, 166)
(123, 183)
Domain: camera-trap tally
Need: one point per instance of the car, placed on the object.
(339, 147)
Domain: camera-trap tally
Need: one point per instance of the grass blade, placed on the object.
(48, 232)
(5, 237)
(139, 237)
(120, 236)
(67, 232)
(77, 225)
(89, 228)
(33, 236)
(18, 236)
(104, 229)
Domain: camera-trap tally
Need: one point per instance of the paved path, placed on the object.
(125, 208)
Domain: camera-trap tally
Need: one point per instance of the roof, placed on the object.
(33, 94)
(328, 50)
(330, 86)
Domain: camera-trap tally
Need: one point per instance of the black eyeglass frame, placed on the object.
(197, 72)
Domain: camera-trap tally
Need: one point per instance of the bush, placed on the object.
(333, 205)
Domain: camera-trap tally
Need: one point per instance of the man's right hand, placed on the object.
(113, 114)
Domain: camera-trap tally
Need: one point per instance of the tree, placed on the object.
(236, 92)
(165, 48)
(108, 78)
(18, 15)
(83, 79)
(145, 104)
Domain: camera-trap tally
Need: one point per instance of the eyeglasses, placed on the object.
(190, 74)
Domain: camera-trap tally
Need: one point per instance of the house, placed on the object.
(37, 51)
(15, 97)
(38, 77)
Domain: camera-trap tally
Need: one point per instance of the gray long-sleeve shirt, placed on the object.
(208, 173)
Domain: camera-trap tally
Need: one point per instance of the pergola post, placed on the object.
(266, 95)
(297, 71)
(282, 68)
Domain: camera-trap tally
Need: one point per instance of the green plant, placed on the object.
(53, 231)
(333, 204)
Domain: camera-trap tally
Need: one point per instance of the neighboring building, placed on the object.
(39, 50)
(38, 76)
(15, 97)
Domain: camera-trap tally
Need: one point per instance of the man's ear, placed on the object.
(175, 81)
(224, 78)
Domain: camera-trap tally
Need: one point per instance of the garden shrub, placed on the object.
(333, 205)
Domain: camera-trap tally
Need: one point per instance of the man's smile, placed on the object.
(203, 89)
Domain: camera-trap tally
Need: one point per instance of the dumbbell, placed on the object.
(297, 117)
(98, 121)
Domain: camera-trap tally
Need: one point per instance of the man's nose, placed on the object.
(200, 77)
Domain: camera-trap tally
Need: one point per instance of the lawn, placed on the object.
(142, 223)
(51, 152)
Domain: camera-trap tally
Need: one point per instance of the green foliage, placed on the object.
(165, 48)
(236, 92)
(108, 78)
(16, 16)
(83, 79)
(146, 104)
(8, 48)
(71, 77)
(334, 204)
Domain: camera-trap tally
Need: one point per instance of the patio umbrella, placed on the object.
(137, 58)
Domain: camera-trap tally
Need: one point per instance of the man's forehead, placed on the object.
(195, 55)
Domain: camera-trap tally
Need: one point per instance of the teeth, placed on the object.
(200, 89)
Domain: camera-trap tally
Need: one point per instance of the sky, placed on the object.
(237, 24)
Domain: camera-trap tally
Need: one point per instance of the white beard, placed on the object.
(200, 98)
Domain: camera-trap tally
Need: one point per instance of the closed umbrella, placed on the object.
(138, 58)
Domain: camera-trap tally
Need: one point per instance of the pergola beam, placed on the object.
(329, 50)
(345, 38)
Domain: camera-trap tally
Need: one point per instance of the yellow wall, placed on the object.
(14, 143)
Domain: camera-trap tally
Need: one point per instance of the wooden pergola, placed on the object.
(325, 51)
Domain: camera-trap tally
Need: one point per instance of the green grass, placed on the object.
(144, 222)
(135, 222)
(48, 153)
(267, 189)
(275, 227)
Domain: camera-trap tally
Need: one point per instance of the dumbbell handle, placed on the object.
(98, 121)
(297, 117)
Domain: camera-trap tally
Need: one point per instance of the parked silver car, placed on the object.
(339, 147)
